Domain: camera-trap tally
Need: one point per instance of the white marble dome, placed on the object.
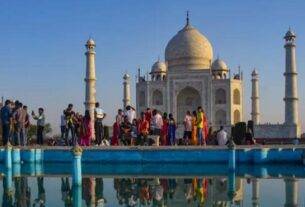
(159, 67)
(189, 49)
(219, 64)
(90, 42)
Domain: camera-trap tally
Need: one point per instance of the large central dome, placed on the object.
(189, 49)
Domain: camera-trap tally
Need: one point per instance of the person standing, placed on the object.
(156, 122)
(86, 134)
(187, 128)
(125, 132)
(194, 128)
(20, 117)
(222, 137)
(70, 116)
(115, 132)
(6, 119)
(164, 131)
(205, 127)
(134, 132)
(98, 124)
(40, 124)
(199, 125)
(172, 130)
(130, 113)
(120, 117)
(63, 127)
(148, 115)
(26, 124)
(143, 130)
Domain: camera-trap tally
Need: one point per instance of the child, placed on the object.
(172, 130)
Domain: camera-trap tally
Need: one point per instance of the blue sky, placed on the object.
(42, 60)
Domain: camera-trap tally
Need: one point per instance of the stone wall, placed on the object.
(275, 131)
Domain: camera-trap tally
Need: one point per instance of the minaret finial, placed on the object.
(187, 17)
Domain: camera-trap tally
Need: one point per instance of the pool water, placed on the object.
(155, 189)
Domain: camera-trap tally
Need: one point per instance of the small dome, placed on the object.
(126, 76)
(290, 35)
(189, 49)
(254, 72)
(90, 42)
(159, 67)
(219, 64)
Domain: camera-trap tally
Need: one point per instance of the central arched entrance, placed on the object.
(188, 99)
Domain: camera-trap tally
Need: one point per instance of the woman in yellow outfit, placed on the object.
(194, 129)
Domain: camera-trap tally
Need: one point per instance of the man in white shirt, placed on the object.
(156, 122)
(130, 113)
(187, 127)
(222, 137)
(98, 124)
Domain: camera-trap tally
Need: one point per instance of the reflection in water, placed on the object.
(148, 191)
(176, 192)
(66, 191)
(22, 192)
(41, 196)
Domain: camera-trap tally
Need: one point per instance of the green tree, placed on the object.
(33, 129)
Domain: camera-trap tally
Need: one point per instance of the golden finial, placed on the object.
(77, 150)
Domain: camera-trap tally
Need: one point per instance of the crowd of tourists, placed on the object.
(130, 130)
(80, 127)
(151, 127)
(15, 121)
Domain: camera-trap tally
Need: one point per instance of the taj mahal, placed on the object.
(190, 77)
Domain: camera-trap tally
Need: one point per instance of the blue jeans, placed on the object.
(5, 133)
(199, 135)
(71, 128)
(21, 137)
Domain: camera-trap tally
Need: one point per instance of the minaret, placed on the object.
(255, 114)
(291, 89)
(90, 79)
(291, 190)
(255, 192)
(126, 90)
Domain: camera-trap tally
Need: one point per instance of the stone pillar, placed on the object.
(291, 88)
(126, 90)
(77, 165)
(291, 189)
(255, 192)
(255, 114)
(90, 80)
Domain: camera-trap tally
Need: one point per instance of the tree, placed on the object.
(33, 129)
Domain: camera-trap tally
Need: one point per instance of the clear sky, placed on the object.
(42, 60)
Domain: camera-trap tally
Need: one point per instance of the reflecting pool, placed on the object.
(136, 185)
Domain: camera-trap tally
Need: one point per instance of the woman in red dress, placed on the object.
(164, 131)
(86, 132)
(115, 132)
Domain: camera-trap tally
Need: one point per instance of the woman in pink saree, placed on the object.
(86, 132)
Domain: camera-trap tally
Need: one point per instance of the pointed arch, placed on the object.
(157, 97)
(236, 97)
(236, 116)
(220, 96)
